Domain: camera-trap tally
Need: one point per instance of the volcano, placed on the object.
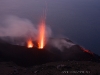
(56, 49)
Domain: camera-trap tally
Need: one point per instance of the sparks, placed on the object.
(42, 25)
(41, 35)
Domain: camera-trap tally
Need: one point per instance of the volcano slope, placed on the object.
(57, 49)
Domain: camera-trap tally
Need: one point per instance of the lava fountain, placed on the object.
(30, 43)
(41, 40)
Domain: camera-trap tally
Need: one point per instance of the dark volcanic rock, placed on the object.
(53, 68)
(55, 50)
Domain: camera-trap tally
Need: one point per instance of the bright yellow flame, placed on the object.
(30, 43)
(41, 35)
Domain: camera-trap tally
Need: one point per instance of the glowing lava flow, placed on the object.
(30, 43)
(85, 50)
(41, 35)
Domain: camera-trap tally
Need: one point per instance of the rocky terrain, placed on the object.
(52, 68)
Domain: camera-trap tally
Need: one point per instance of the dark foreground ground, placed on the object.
(13, 57)
(53, 68)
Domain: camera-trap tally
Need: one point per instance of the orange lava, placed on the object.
(41, 37)
(87, 51)
(30, 43)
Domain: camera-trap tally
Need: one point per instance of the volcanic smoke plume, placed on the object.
(17, 31)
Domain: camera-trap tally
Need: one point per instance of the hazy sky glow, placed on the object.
(78, 20)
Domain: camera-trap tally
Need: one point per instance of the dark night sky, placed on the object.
(79, 20)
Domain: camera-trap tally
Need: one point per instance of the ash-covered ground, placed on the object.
(59, 56)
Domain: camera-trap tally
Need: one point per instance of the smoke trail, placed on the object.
(60, 43)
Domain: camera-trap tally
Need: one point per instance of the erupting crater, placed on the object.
(41, 36)
(30, 43)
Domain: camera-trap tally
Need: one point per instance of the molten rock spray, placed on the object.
(41, 33)
(41, 37)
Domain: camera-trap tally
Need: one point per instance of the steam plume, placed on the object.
(15, 27)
